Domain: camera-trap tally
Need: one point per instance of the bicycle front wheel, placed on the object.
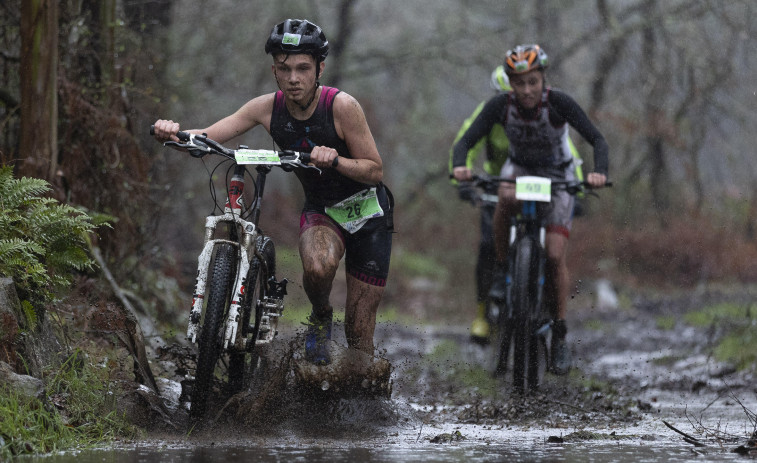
(524, 274)
(221, 284)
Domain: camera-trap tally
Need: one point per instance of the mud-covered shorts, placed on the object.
(367, 251)
(558, 213)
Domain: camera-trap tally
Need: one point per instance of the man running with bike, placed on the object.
(536, 119)
(347, 209)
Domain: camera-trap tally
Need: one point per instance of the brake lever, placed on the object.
(194, 150)
(176, 144)
(308, 166)
(297, 162)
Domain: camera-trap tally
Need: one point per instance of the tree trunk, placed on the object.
(38, 144)
(340, 42)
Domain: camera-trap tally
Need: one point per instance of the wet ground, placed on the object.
(638, 392)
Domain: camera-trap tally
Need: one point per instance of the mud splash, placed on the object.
(631, 377)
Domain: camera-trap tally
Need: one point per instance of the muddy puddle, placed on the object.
(637, 393)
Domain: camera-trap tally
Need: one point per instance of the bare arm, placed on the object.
(366, 165)
(255, 112)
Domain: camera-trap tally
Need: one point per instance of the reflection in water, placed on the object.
(423, 452)
(313, 430)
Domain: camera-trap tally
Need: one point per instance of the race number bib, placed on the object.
(353, 212)
(248, 156)
(529, 188)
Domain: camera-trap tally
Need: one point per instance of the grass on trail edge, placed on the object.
(78, 409)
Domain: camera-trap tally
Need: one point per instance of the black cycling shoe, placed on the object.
(561, 357)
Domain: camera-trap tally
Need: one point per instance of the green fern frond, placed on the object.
(18, 192)
(71, 257)
(41, 241)
(15, 246)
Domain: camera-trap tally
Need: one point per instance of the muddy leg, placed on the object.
(558, 280)
(320, 251)
(360, 314)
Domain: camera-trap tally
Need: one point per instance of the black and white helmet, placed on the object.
(298, 36)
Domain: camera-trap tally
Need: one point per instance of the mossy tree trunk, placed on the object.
(39, 89)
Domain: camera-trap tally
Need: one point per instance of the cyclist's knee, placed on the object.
(556, 247)
(506, 193)
(319, 269)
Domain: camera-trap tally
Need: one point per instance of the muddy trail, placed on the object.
(634, 383)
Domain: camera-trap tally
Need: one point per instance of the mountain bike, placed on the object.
(237, 299)
(522, 322)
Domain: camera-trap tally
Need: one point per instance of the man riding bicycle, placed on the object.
(331, 125)
(536, 119)
(497, 147)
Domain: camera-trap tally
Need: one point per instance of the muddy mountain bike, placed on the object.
(523, 324)
(237, 299)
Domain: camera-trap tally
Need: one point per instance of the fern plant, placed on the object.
(41, 240)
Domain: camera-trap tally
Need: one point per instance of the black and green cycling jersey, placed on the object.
(497, 148)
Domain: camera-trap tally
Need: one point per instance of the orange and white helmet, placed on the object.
(524, 58)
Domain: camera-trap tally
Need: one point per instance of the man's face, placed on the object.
(528, 87)
(295, 75)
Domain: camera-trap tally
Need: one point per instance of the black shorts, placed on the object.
(367, 251)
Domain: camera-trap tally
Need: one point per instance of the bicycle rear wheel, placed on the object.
(243, 365)
(220, 283)
(524, 280)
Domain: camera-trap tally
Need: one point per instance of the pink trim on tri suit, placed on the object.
(560, 229)
(329, 97)
(310, 219)
(324, 101)
(367, 279)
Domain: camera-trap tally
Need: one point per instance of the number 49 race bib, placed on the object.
(353, 212)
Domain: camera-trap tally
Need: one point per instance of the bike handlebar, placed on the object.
(200, 145)
(572, 186)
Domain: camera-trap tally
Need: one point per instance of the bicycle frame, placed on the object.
(246, 246)
(237, 301)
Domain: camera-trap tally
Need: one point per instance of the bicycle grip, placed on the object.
(183, 136)
(305, 159)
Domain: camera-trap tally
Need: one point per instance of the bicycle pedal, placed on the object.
(277, 289)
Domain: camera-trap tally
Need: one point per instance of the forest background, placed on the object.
(670, 84)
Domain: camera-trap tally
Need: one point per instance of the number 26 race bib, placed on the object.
(353, 212)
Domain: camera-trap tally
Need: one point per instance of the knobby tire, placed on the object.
(220, 284)
(524, 281)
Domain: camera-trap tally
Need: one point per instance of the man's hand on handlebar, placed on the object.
(596, 180)
(324, 157)
(165, 130)
(462, 174)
